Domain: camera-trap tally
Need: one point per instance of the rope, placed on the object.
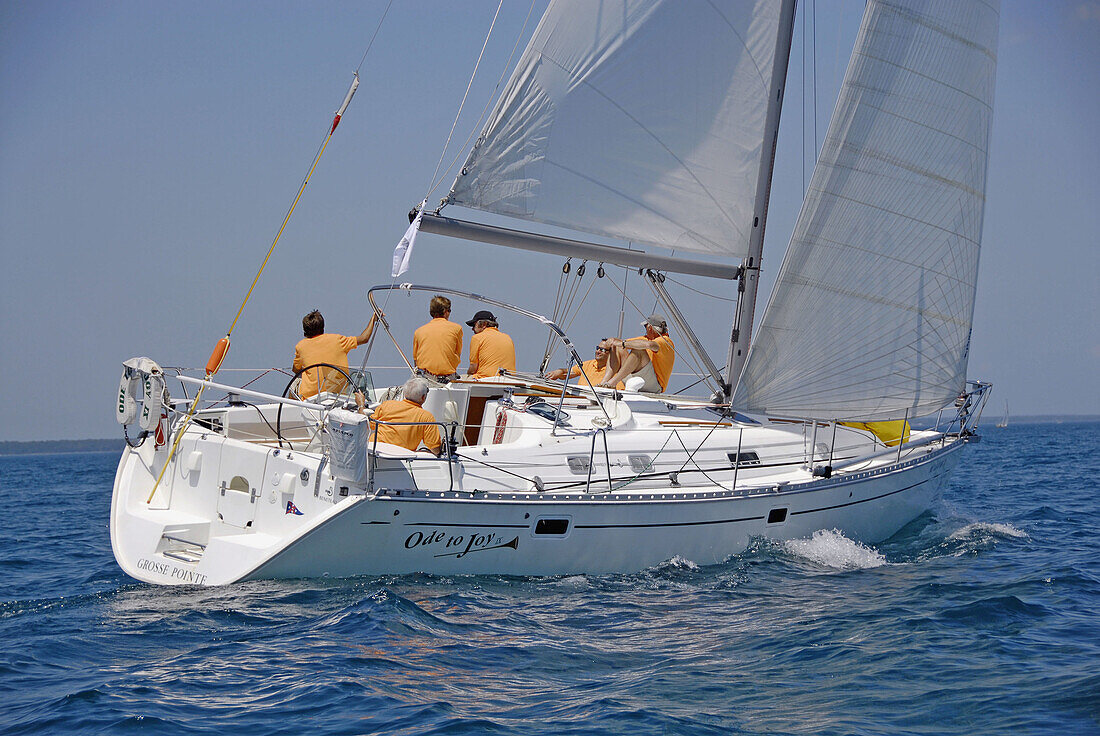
(176, 444)
(301, 189)
(577, 311)
(548, 351)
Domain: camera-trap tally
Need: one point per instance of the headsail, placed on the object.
(641, 120)
(872, 309)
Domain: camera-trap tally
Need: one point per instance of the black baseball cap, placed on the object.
(483, 314)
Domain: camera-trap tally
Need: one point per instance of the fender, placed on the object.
(501, 425)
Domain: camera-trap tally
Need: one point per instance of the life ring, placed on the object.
(129, 387)
(142, 382)
(152, 401)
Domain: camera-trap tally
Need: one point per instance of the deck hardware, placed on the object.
(304, 475)
(578, 464)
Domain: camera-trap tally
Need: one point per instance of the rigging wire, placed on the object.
(697, 291)
(222, 347)
(371, 42)
(488, 101)
(622, 305)
(446, 145)
(813, 6)
(622, 291)
(558, 296)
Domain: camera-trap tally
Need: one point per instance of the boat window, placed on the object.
(640, 463)
(552, 526)
(777, 516)
(746, 458)
(240, 483)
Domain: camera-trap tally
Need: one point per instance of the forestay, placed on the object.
(872, 309)
(641, 120)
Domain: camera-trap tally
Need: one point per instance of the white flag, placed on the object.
(404, 250)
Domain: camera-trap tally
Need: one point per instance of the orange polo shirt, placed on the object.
(594, 373)
(327, 348)
(662, 358)
(492, 350)
(407, 436)
(437, 347)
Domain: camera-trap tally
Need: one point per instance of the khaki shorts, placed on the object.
(649, 380)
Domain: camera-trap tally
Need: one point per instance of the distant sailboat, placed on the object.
(1004, 419)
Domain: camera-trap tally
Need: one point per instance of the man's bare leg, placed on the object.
(624, 362)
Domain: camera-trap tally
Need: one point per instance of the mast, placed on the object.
(748, 284)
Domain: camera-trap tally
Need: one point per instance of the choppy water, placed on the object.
(982, 617)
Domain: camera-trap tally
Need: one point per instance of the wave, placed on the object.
(985, 530)
(830, 548)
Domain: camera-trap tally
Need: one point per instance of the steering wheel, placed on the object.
(286, 391)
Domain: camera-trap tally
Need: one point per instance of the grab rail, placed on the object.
(447, 442)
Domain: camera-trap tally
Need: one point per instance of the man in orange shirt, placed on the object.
(650, 358)
(320, 347)
(490, 349)
(437, 345)
(402, 412)
(594, 370)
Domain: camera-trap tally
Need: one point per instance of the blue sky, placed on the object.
(148, 152)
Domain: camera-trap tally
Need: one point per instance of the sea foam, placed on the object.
(830, 548)
(983, 529)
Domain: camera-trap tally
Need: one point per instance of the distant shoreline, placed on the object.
(54, 447)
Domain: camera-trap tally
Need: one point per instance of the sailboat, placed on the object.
(654, 123)
(1003, 422)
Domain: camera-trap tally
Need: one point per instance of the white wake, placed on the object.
(830, 548)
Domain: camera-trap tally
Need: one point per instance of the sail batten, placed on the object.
(592, 135)
(871, 314)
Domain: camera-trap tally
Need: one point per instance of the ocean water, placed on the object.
(981, 617)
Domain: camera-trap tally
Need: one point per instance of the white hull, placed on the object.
(472, 536)
(194, 531)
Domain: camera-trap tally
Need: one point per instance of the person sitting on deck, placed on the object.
(403, 412)
(437, 345)
(649, 358)
(319, 347)
(594, 370)
(490, 349)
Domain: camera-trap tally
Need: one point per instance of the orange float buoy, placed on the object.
(217, 356)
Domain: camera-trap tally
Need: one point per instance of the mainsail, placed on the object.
(871, 313)
(641, 120)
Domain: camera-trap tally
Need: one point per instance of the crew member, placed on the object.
(594, 370)
(415, 424)
(649, 358)
(437, 345)
(319, 347)
(490, 349)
